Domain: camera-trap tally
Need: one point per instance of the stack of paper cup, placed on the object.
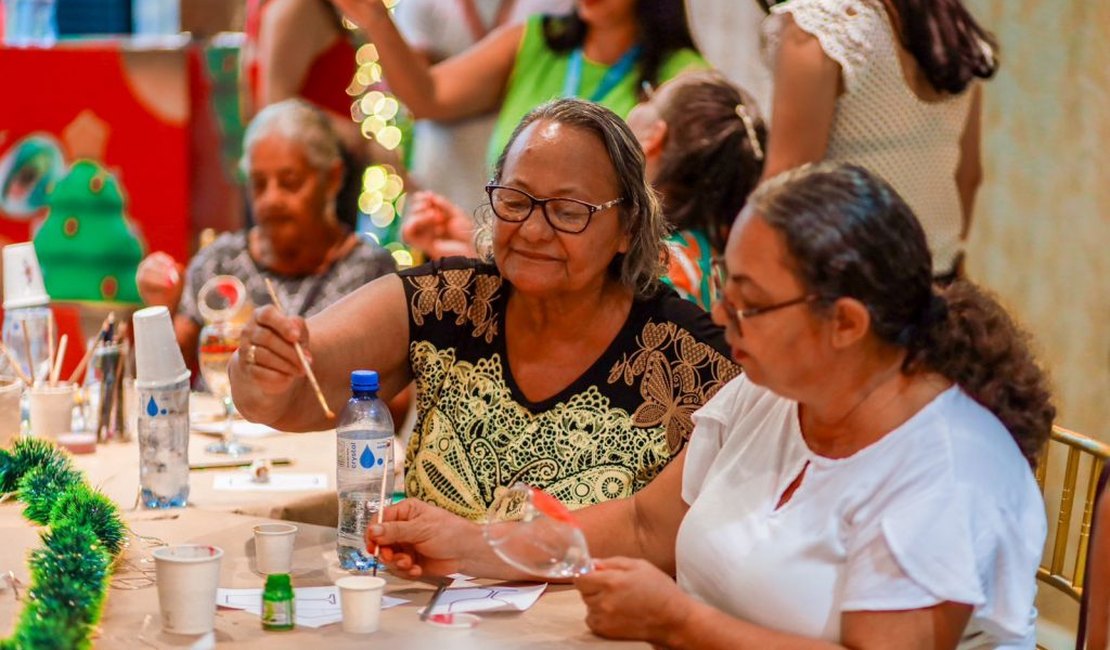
(23, 285)
(158, 359)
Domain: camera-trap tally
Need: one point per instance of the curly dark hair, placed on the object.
(709, 165)
(663, 26)
(850, 235)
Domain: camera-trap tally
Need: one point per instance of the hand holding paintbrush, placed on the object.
(300, 355)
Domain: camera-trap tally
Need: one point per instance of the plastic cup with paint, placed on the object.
(360, 598)
(188, 575)
(51, 409)
(273, 547)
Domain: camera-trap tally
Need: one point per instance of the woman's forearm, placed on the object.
(704, 627)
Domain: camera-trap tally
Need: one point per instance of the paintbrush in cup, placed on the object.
(56, 367)
(16, 368)
(108, 321)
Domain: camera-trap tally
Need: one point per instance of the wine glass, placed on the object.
(218, 341)
(534, 532)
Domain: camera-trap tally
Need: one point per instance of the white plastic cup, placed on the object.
(23, 285)
(188, 575)
(51, 409)
(360, 598)
(158, 359)
(11, 391)
(273, 547)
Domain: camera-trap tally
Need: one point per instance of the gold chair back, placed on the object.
(1056, 570)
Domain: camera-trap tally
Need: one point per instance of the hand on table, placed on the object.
(631, 599)
(438, 227)
(417, 539)
(266, 352)
(160, 280)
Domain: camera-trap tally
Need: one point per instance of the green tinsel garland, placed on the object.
(69, 574)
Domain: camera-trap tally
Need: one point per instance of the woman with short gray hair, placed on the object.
(293, 168)
(558, 360)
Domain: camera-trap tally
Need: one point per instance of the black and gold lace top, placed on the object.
(605, 436)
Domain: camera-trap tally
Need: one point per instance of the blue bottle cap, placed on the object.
(364, 380)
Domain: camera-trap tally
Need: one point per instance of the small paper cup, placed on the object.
(273, 547)
(360, 598)
(188, 575)
(51, 409)
(11, 392)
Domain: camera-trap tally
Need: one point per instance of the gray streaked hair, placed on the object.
(641, 213)
(297, 121)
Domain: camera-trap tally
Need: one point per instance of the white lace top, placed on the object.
(880, 123)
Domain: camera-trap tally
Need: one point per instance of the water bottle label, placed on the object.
(363, 455)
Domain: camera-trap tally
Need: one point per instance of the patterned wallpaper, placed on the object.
(1042, 222)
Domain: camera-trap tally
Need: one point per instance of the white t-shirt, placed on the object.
(943, 508)
(880, 123)
(450, 158)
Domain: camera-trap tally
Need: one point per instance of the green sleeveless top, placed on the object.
(539, 74)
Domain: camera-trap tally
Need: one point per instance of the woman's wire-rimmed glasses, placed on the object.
(565, 215)
(738, 316)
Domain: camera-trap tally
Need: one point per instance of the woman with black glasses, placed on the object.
(557, 359)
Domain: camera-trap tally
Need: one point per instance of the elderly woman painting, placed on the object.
(558, 360)
(866, 483)
(293, 170)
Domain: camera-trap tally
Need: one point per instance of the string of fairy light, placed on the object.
(382, 196)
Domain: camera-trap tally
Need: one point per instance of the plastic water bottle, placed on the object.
(364, 459)
(162, 383)
(164, 444)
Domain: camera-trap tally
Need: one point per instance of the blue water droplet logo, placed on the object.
(367, 458)
(151, 408)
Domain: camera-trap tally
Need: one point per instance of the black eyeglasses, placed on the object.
(720, 276)
(565, 215)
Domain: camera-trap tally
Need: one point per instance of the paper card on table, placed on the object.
(279, 482)
(488, 599)
(313, 606)
(240, 428)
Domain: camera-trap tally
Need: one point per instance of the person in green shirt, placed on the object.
(606, 51)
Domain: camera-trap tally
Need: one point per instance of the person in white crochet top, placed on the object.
(890, 85)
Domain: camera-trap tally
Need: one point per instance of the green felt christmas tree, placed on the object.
(88, 249)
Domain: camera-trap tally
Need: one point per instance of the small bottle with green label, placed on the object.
(277, 603)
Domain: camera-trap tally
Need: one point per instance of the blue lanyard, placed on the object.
(617, 72)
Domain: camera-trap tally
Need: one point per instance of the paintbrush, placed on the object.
(300, 355)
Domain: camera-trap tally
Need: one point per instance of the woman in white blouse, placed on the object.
(889, 85)
(866, 483)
